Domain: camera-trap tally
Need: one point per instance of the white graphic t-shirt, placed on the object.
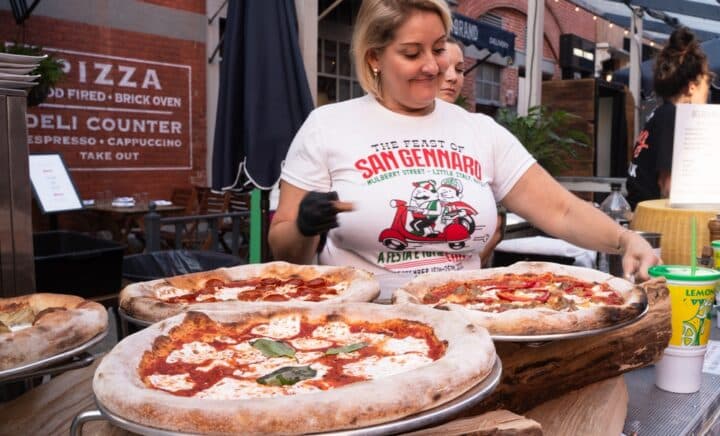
(424, 187)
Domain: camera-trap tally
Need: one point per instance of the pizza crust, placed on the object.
(534, 321)
(138, 299)
(469, 358)
(55, 330)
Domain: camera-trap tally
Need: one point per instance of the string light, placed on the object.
(594, 17)
(627, 32)
(611, 25)
(652, 44)
(577, 8)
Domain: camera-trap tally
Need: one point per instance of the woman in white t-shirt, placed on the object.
(419, 178)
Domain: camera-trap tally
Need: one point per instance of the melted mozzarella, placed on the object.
(225, 339)
(265, 367)
(375, 367)
(197, 352)
(406, 345)
(225, 294)
(334, 331)
(233, 389)
(211, 365)
(17, 327)
(305, 357)
(167, 292)
(172, 383)
(309, 343)
(244, 353)
(280, 327)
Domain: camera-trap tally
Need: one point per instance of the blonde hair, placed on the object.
(375, 29)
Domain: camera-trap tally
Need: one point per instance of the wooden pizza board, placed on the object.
(596, 410)
(534, 374)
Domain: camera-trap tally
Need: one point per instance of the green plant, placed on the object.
(546, 135)
(461, 101)
(49, 69)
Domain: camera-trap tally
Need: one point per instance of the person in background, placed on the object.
(450, 87)
(452, 80)
(390, 154)
(681, 75)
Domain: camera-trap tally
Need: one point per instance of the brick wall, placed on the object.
(129, 50)
(561, 16)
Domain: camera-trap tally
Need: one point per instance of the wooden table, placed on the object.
(597, 409)
(121, 220)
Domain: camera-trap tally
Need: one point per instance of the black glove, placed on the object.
(317, 214)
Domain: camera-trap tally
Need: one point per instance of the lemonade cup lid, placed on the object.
(684, 273)
(715, 244)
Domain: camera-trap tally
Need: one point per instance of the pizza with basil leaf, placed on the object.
(274, 282)
(296, 368)
(530, 298)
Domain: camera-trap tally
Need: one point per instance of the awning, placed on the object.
(485, 42)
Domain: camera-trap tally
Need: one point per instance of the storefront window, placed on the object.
(336, 75)
(487, 84)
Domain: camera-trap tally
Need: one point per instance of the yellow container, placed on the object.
(716, 253)
(692, 297)
(674, 225)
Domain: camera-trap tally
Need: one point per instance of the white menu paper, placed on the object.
(52, 184)
(696, 157)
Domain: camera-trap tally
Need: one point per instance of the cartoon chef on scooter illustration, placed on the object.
(434, 214)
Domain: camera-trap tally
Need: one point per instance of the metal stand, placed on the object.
(67, 360)
(428, 418)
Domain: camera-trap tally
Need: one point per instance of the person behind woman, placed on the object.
(452, 80)
(681, 75)
(451, 85)
(419, 178)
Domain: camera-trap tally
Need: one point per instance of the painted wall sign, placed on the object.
(114, 113)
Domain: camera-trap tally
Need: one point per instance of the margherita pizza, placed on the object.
(298, 368)
(270, 282)
(530, 298)
(37, 326)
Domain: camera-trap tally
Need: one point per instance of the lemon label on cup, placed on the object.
(691, 304)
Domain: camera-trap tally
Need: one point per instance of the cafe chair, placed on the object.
(239, 202)
(188, 198)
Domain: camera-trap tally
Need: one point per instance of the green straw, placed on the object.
(693, 245)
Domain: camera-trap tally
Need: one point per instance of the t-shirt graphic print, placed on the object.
(424, 188)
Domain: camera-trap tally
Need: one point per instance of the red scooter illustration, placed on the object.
(457, 230)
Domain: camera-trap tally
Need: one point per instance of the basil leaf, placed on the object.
(271, 348)
(346, 349)
(288, 375)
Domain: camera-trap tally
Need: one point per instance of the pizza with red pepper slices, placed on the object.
(274, 282)
(296, 368)
(530, 298)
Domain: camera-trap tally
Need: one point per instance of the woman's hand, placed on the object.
(318, 211)
(638, 255)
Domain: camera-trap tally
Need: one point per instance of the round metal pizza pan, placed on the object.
(57, 358)
(435, 416)
(132, 320)
(571, 335)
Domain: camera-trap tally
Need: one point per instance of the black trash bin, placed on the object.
(160, 264)
(74, 263)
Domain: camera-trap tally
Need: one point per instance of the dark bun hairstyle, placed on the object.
(680, 63)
